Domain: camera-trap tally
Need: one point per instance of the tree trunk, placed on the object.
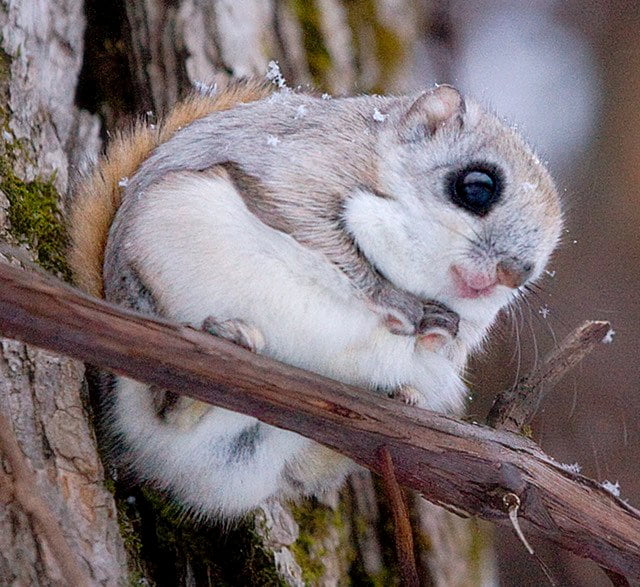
(140, 57)
(43, 395)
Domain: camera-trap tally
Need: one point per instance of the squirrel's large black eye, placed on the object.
(475, 189)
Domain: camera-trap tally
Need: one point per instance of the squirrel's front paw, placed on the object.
(438, 327)
(432, 322)
(402, 312)
(236, 331)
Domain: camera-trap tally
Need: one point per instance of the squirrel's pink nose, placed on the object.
(472, 284)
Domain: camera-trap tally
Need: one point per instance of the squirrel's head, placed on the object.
(464, 212)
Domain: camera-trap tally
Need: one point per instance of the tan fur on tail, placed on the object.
(98, 196)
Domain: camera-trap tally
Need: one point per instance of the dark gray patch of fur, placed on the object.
(243, 446)
(130, 290)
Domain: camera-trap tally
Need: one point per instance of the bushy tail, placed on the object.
(98, 196)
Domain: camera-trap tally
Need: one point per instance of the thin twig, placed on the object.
(26, 494)
(401, 520)
(512, 503)
(516, 407)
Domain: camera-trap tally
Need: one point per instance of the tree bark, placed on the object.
(42, 395)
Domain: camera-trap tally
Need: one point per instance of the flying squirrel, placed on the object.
(370, 239)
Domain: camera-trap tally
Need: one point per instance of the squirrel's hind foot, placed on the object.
(408, 394)
(236, 331)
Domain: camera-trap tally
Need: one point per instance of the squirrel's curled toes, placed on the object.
(372, 240)
(237, 331)
(408, 394)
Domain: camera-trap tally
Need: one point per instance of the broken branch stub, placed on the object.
(516, 407)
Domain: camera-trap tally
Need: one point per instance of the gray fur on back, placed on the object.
(303, 154)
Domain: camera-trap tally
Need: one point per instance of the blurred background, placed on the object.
(566, 72)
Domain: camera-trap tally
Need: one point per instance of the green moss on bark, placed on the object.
(313, 523)
(388, 47)
(34, 217)
(480, 550)
(316, 521)
(5, 66)
(318, 57)
(33, 214)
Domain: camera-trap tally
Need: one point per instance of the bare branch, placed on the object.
(25, 491)
(401, 521)
(516, 407)
(467, 467)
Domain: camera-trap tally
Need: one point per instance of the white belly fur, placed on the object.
(202, 253)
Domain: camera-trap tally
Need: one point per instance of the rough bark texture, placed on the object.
(40, 393)
(140, 56)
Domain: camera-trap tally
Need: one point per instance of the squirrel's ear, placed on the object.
(431, 110)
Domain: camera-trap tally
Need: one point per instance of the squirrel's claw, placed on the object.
(438, 327)
(436, 317)
(408, 315)
(402, 312)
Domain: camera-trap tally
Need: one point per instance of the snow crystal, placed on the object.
(378, 116)
(272, 140)
(301, 111)
(326, 96)
(550, 273)
(274, 75)
(572, 468)
(608, 338)
(7, 136)
(544, 311)
(206, 89)
(612, 488)
(124, 181)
